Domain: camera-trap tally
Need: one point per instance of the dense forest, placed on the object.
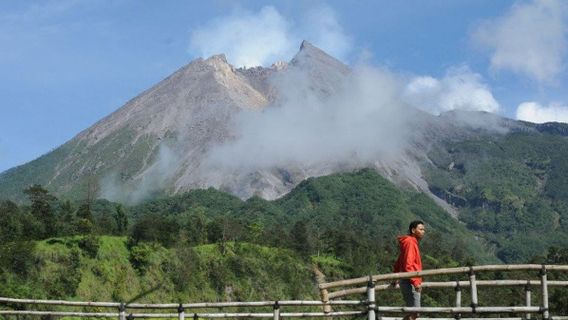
(511, 190)
(206, 245)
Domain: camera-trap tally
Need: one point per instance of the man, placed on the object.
(408, 261)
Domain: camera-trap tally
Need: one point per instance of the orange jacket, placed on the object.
(409, 258)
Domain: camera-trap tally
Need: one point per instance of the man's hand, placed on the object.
(418, 288)
(394, 284)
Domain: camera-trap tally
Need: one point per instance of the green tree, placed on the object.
(10, 222)
(42, 210)
(300, 238)
(85, 220)
(196, 227)
(67, 223)
(121, 219)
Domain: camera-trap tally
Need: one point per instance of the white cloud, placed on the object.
(535, 112)
(246, 38)
(362, 122)
(459, 89)
(322, 28)
(531, 39)
(261, 38)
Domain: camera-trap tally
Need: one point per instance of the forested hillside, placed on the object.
(206, 244)
(511, 190)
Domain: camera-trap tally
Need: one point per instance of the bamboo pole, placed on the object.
(528, 298)
(181, 312)
(61, 302)
(500, 309)
(371, 300)
(253, 315)
(122, 312)
(544, 286)
(325, 299)
(400, 318)
(185, 305)
(473, 286)
(458, 294)
(59, 313)
(320, 278)
(264, 304)
(448, 284)
(276, 311)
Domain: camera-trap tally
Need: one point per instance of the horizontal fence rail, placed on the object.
(368, 306)
(451, 284)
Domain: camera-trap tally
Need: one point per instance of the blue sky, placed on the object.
(65, 64)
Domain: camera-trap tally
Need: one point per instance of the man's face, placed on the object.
(419, 231)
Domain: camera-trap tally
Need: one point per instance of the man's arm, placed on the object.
(411, 265)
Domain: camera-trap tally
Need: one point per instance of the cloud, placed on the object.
(322, 28)
(531, 39)
(246, 38)
(459, 89)
(362, 122)
(151, 181)
(535, 112)
(251, 39)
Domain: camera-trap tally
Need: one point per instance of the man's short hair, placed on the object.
(414, 224)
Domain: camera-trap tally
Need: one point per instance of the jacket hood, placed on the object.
(405, 239)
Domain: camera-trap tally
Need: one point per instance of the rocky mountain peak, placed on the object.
(306, 45)
(326, 73)
(219, 62)
(312, 55)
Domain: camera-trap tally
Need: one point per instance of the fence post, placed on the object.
(544, 286)
(325, 299)
(528, 290)
(276, 310)
(371, 299)
(122, 312)
(473, 285)
(181, 312)
(458, 294)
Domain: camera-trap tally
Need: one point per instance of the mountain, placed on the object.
(153, 144)
(160, 142)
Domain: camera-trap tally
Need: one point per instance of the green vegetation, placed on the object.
(512, 190)
(206, 245)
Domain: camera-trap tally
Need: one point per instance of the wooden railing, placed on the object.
(186, 310)
(373, 283)
(369, 306)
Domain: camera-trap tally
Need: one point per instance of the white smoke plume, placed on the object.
(537, 113)
(250, 39)
(154, 179)
(531, 39)
(364, 121)
(459, 89)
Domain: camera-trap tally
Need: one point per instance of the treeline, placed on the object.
(47, 216)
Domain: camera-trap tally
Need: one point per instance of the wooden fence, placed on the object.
(367, 307)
